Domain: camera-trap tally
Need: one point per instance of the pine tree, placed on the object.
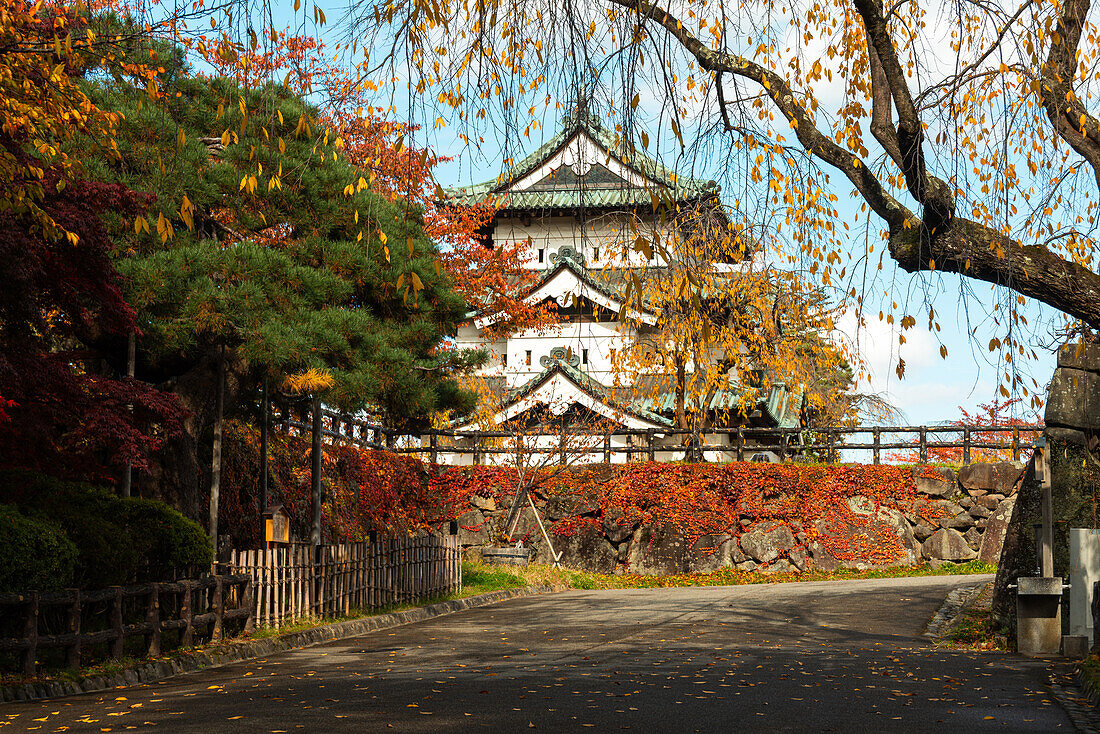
(266, 242)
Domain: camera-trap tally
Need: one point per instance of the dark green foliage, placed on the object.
(34, 553)
(115, 540)
(284, 264)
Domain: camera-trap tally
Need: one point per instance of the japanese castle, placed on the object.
(579, 203)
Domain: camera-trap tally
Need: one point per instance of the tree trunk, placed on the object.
(216, 459)
(131, 355)
(180, 471)
(315, 474)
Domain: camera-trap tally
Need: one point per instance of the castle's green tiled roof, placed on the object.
(585, 382)
(669, 186)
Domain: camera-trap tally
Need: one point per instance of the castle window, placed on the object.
(595, 254)
(542, 255)
(528, 359)
(504, 358)
(584, 356)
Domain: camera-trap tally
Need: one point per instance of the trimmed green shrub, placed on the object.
(118, 540)
(35, 554)
(167, 541)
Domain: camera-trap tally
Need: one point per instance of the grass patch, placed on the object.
(977, 631)
(537, 574)
(1090, 669)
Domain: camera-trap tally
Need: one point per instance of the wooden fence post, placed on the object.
(433, 443)
(152, 618)
(219, 610)
(966, 445)
(30, 634)
(650, 436)
(607, 448)
(1015, 443)
(923, 445)
(878, 445)
(187, 636)
(72, 652)
(740, 443)
(118, 644)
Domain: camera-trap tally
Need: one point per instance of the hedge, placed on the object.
(34, 554)
(117, 540)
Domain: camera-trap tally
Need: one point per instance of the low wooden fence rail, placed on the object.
(296, 581)
(823, 444)
(97, 617)
(788, 444)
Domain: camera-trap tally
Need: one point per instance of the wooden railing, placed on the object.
(99, 617)
(296, 581)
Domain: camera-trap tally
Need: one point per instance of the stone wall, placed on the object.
(955, 516)
(1073, 442)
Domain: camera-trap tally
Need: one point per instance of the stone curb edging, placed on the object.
(248, 650)
(956, 603)
(1087, 686)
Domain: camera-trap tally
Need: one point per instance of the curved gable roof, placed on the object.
(661, 183)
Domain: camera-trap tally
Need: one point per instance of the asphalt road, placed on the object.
(830, 656)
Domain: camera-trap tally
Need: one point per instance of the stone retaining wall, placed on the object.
(971, 508)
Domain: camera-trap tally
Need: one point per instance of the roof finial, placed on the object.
(582, 112)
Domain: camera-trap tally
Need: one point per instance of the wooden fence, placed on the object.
(108, 616)
(449, 445)
(296, 581)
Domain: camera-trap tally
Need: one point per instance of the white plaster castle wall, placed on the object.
(601, 239)
(600, 339)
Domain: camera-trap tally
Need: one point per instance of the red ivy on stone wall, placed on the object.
(368, 489)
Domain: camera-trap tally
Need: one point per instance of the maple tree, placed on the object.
(998, 444)
(63, 409)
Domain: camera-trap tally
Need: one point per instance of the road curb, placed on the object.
(237, 652)
(956, 603)
(1088, 688)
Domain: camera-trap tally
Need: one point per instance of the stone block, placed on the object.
(587, 549)
(658, 550)
(821, 559)
(979, 511)
(922, 530)
(1073, 399)
(471, 528)
(485, 504)
(973, 538)
(934, 481)
(996, 526)
(615, 527)
(561, 506)
(1080, 357)
(779, 566)
(767, 541)
(798, 559)
(990, 501)
(712, 552)
(947, 545)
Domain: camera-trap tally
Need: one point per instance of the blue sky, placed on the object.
(932, 389)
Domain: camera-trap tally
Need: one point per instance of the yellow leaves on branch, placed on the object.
(312, 380)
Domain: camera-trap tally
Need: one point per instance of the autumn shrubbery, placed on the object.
(378, 489)
(113, 540)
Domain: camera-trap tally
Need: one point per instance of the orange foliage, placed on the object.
(368, 489)
(993, 414)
